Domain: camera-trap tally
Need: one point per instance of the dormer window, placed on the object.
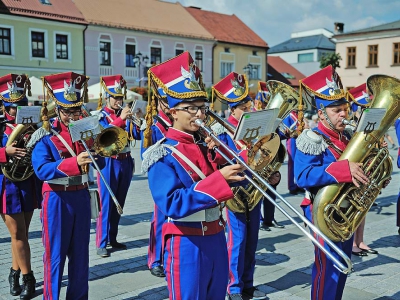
(47, 2)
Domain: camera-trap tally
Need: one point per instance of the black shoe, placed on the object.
(157, 271)
(293, 192)
(370, 251)
(254, 293)
(13, 279)
(235, 297)
(117, 245)
(361, 253)
(398, 230)
(102, 252)
(264, 227)
(29, 282)
(274, 224)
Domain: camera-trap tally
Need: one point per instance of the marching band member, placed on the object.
(397, 127)
(65, 216)
(317, 165)
(187, 186)
(268, 217)
(156, 130)
(242, 228)
(18, 198)
(118, 170)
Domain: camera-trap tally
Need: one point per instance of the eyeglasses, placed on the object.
(71, 113)
(193, 109)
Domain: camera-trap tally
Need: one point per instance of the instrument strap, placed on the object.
(329, 142)
(64, 142)
(186, 160)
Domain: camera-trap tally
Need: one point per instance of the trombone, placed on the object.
(137, 121)
(338, 264)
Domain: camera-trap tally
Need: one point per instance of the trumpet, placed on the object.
(137, 121)
(338, 264)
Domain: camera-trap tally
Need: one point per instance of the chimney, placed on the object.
(339, 28)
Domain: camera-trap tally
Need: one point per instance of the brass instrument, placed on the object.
(133, 117)
(339, 209)
(261, 189)
(19, 169)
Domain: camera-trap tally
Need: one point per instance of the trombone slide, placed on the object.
(338, 264)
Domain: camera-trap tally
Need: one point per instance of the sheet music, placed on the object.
(28, 115)
(139, 105)
(371, 119)
(256, 124)
(84, 129)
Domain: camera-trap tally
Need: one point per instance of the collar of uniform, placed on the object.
(9, 117)
(329, 132)
(59, 126)
(180, 136)
(165, 118)
(109, 110)
(233, 120)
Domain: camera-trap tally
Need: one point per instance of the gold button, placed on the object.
(205, 228)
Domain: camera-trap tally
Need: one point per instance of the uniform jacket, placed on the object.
(314, 171)
(177, 190)
(159, 129)
(52, 160)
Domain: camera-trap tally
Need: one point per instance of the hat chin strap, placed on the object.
(327, 119)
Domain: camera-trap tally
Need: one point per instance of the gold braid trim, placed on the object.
(103, 84)
(45, 118)
(186, 95)
(28, 85)
(325, 97)
(300, 114)
(50, 93)
(151, 111)
(222, 97)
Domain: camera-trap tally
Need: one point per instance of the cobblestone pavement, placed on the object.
(284, 256)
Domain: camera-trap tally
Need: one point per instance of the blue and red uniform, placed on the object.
(314, 171)
(118, 172)
(154, 254)
(16, 196)
(291, 150)
(242, 234)
(65, 214)
(195, 254)
(397, 127)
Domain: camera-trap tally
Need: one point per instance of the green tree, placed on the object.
(332, 59)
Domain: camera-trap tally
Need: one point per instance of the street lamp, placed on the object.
(137, 60)
(248, 69)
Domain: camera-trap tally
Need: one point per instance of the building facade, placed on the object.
(304, 49)
(373, 50)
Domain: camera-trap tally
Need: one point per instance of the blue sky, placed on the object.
(275, 20)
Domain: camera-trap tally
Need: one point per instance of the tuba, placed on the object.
(339, 209)
(19, 169)
(267, 155)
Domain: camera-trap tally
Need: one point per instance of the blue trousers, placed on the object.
(291, 150)
(242, 239)
(118, 174)
(196, 267)
(327, 281)
(65, 233)
(154, 253)
(268, 208)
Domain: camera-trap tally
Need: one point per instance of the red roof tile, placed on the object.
(59, 10)
(283, 67)
(227, 28)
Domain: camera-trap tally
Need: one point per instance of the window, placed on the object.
(305, 57)
(396, 53)
(227, 50)
(254, 52)
(130, 51)
(372, 55)
(5, 41)
(105, 53)
(45, 2)
(226, 68)
(61, 46)
(351, 57)
(198, 58)
(155, 55)
(179, 48)
(256, 72)
(37, 44)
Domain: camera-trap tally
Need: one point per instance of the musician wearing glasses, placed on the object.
(19, 196)
(188, 187)
(152, 131)
(118, 169)
(61, 164)
(242, 226)
(317, 165)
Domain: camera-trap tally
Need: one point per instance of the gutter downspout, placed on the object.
(212, 62)
(84, 46)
